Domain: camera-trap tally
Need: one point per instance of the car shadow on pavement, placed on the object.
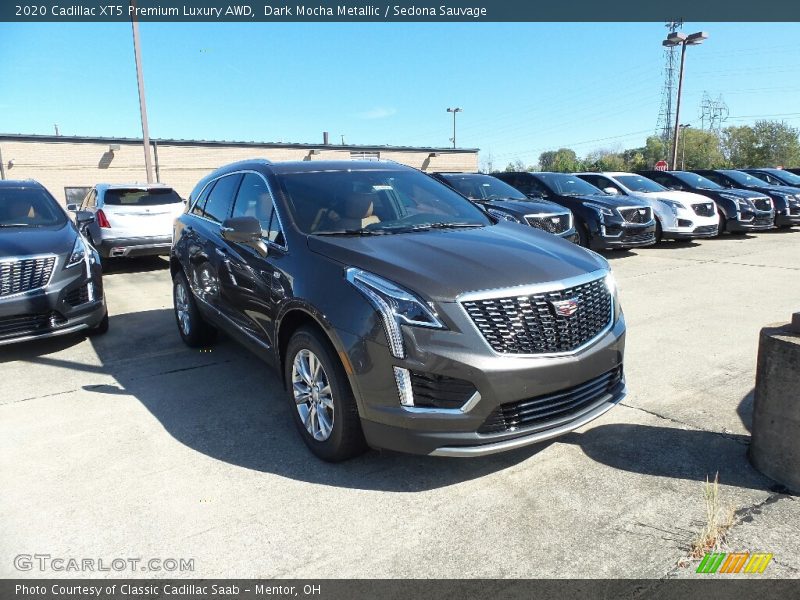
(616, 254)
(139, 264)
(688, 454)
(227, 404)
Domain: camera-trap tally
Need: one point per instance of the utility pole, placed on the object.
(142, 105)
(683, 152)
(454, 111)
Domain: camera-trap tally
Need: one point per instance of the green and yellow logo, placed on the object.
(734, 562)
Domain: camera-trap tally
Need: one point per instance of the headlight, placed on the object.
(499, 214)
(611, 284)
(730, 197)
(673, 205)
(745, 204)
(78, 254)
(600, 210)
(397, 306)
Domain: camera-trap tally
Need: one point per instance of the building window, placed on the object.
(76, 194)
(365, 156)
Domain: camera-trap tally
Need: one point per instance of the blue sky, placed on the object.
(524, 87)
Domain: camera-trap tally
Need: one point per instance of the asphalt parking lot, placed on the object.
(133, 445)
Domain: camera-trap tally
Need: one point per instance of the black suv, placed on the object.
(505, 202)
(786, 188)
(739, 210)
(782, 197)
(50, 276)
(603, 220)
(400, 314)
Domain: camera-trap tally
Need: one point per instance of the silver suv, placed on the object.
(131, 220)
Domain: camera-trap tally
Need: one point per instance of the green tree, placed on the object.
(699, 149)
(737, 145)
(563, 160)
(604, 160)
(516, 165)
(654, 150)
(776, 144)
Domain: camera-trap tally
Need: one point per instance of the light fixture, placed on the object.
(113, 148)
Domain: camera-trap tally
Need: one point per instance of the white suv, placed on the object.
(679, 215)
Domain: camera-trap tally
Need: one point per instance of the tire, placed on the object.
(659, 232)
(722, 223)
(583, 235)
(101, 327)
(194, 330)
(311, 367)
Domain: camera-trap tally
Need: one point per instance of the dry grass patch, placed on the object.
(718, 521)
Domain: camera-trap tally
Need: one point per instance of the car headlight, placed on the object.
(745, 204)
(611, 284)
(78, 254)
(396, 306)
(673, 205)
(499, 214)
(730, 197)
(600, 210)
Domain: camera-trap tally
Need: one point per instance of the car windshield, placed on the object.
(367, 202)
(786, 176)
(133, 197)
(637, 183)
(694, 180)
(484, 187)
(744, 179)
(29, 207)
(569, 185)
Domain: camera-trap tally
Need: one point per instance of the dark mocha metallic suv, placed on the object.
(400, 314)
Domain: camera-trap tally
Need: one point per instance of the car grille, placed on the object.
(19, 325)
(557, 405)
(529, 324)
(550, 223)
(704, 210)
(636, 214)
(439, 391)
(762, 221)
(25, 274)
(78, 296)
(706, 230)
(640, 238)
(763, 203)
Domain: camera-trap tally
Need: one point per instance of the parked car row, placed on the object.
(453, 315)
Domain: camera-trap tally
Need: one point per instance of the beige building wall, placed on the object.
(60, 164)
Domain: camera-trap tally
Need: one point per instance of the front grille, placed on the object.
(439, 391)
(763, 203)
(636, 214)
(78, 296)
(19, 325)
(557, 405)
(19, 275)
(762, 221)
(530, 325)
(704, 210)
(706, 230)
(550, 223)
(640, 238)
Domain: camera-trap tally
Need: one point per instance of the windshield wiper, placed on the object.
(18, 225)
(351, 232)
(442, 225)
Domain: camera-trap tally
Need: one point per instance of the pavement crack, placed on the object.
(725, 434)
(747, 514)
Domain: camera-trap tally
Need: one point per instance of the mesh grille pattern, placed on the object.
(704, 210)
(530, 325)
(640, 238)
(541, 409)
(439, 391)
(25, 274)
(762, 221)
(706, 229)
(636, 215)
(78, 296)
(763, 203)
(29, 324)
(550, 223)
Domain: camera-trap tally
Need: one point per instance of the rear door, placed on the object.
(141, 212)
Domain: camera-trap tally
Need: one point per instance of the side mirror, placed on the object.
(84, 217)
(72, 207)
(244, 230)
(611, 191)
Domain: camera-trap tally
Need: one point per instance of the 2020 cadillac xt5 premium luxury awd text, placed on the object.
(400, 314)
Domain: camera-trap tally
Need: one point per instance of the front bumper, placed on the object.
(622, 234)
(498, 380)
(782, 219)
(752, 221)
(687, 225)
(130, 247)
(73, 301)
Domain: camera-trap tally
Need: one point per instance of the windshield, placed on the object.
(697, 181)
(637, 183)
(29, 207)
(786, 176)
(118, 197)
(569, 185)
(744, 179)
(484, 187)
(375, 202)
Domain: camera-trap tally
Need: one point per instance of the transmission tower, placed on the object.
(713, 113)
(666, 114)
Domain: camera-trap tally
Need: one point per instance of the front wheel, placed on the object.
(322, 404)
(194, 330)
(722, 223)
(583, 235)
(659, 232)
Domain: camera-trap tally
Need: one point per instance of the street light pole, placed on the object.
(142, 105)
(454, 111)
(683, 151)
(674, 39)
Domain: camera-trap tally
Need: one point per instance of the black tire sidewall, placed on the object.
(196, 336)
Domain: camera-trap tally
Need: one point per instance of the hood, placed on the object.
(783, 189)
(609, 200)
(679, 196)
(28, 241)
(526, 206)
(441, 264)
(740, 193)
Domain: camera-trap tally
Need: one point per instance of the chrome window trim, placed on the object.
(30, 257)
(285, 246)
(538, 288)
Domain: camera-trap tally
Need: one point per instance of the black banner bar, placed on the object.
(435, 11)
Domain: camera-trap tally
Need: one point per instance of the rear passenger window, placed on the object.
(254, 200)
(198, 207)
(218, 206)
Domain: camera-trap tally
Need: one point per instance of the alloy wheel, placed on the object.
(182, 307)
(312, 395)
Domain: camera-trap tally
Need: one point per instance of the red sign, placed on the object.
(661, 165)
